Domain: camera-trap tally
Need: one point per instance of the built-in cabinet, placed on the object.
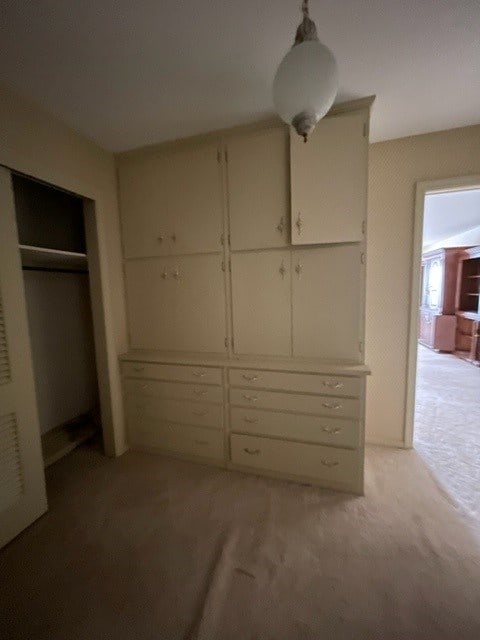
(177, 303)
(437, 321)
(258, 189)
(247, 203)
(468, 305)
(172, 203)
(328, 181)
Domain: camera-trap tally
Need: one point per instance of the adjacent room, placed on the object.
(447, 405)
(239, 320)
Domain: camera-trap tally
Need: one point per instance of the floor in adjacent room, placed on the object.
(146, 547)
(447, 425)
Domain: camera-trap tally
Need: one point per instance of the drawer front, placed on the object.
(304, 382)
(307, 460)
(182, 411)
(331, 431)
(179, 373)
(178, 390)
(182, 439)
(319, 405)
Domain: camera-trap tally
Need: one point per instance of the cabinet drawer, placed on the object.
(182, 411)
(178, 390)
(331, 431)
(307, 460)
(305, 382)
(179, 373)
(182, 439)
(319, 405)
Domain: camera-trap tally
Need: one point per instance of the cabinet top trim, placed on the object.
(268, 364)
(220, 134)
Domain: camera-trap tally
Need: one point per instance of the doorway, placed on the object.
(443, 408)
(55, 266)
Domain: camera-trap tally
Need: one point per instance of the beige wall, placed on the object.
(395, 168)
(35, 143)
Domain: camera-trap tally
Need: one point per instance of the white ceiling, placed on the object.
(129, 73)
(448, 214)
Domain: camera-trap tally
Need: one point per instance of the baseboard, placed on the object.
(387, 442)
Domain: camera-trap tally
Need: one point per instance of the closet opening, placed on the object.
(445, 407)
(55, 263)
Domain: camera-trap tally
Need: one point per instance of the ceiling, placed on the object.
(448, 214)
(127, 74)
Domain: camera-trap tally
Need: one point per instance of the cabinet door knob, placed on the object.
(281, 225)
(252, 452)
(299, 224)
(165, 274)
(174, 237)
(282, 269)
(298, 269)
(176, 273)
(160, 238)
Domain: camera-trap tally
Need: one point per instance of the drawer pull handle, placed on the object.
(199, 374)
(333, 385)
(250, 378)
(252, 452)
(250, 420)
(330, 463)
(250, 398)
(144, 386)
(200, 413)
(331, 430)
(200, 392)
(202, 442)
(328, 405)
(138, 368)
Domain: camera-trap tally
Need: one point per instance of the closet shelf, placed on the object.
(43, 258)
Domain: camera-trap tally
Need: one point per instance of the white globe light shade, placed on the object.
(305, 85)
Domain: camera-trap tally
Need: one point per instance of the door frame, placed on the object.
(444, 185)
(106, 358)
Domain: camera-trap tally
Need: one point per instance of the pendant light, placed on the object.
(306, 82)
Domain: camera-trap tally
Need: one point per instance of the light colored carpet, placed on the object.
(145, 547)
(447, 425)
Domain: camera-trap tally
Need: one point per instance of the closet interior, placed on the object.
(51, 233)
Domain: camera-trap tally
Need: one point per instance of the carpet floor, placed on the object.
(145, 547)
(447, 425)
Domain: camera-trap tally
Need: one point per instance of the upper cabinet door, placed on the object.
(171, 202)
(258, 189)
(262, 303)
(176, 303)
(198, 307)
(195, 199)
(327, 295)
(143, 189)
(329, 180)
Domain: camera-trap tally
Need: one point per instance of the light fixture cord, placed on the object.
(306, 29)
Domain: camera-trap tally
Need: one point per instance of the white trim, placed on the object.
(431, 186)
(385, 442)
